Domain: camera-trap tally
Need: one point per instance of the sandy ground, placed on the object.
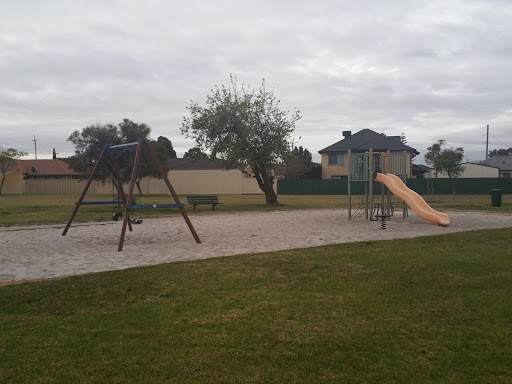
(36, 252)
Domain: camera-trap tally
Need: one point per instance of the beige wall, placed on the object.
(216, 182)
(472, 170)
(13, 184)
(334, 170)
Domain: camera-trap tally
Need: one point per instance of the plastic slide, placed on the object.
(413, 200)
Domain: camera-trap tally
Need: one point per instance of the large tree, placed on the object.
(446, 160)
(195, 152)
(8, 158)
(298, 163)
(168, 146)
(245, 128)
(90, 141)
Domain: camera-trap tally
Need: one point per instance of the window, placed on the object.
(336, 158)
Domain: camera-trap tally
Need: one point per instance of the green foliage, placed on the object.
(403, 138)
(92, 139)
(445, 160)
(298, 163)
(500, 152)
(195, 152)
(423, 310)
(8, 158)
(245, 128)
(171, 153)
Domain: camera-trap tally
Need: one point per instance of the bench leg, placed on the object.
(194, 207)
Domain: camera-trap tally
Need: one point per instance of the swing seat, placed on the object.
(136, 221)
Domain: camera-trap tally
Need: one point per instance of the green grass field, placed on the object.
(424, 310)
(32, 209)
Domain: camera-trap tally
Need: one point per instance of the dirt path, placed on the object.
(38, 252)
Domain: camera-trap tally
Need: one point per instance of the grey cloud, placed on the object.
(432, 70)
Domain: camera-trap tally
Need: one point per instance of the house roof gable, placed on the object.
(503, 162)
(45, 167)
(367, 139)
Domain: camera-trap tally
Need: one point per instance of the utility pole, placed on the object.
(487, 144)
(35, 146)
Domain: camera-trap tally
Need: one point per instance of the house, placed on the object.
(503, 162)
(471, 170)
(45, 169)
(335, 156)
(420, 171)
(34, 171)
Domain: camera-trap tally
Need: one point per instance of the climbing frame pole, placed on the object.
(349, 186)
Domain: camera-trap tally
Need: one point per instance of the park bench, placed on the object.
(197, 200)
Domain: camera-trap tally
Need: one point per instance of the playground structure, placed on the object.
(391, 172)
(126, 201)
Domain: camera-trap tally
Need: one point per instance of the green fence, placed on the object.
(421, 186)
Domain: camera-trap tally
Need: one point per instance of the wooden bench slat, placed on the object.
(196, 200)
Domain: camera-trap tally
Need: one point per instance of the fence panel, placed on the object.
(473, 186)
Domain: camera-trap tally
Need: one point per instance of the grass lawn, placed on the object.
(32, 209)
(424, 310)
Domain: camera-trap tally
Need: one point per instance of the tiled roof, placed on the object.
(45, 167)
(367, 139)
(503, 162)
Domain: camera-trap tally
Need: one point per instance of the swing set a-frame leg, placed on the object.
(84, 192)
(167, 182)
(173, 192)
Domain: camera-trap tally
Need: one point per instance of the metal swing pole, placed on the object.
(121, 189)
(126, 217)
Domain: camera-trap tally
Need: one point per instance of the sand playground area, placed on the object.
(40, 252)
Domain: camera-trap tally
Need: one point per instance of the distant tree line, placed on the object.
(500, 152)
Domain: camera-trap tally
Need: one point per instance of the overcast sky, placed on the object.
(429, 69)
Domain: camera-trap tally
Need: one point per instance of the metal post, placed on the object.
(349, 187)
(366, 199)
(370, 175)
(404, 177)
(486, 144)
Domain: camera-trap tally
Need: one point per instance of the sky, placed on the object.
(430, 70)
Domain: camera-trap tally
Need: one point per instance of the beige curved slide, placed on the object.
(413, 200)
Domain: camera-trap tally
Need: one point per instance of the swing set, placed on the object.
(126, 201)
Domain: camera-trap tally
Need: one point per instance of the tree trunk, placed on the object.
(137, 183)
(452, 180)
(2, 183)
(266, 184)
